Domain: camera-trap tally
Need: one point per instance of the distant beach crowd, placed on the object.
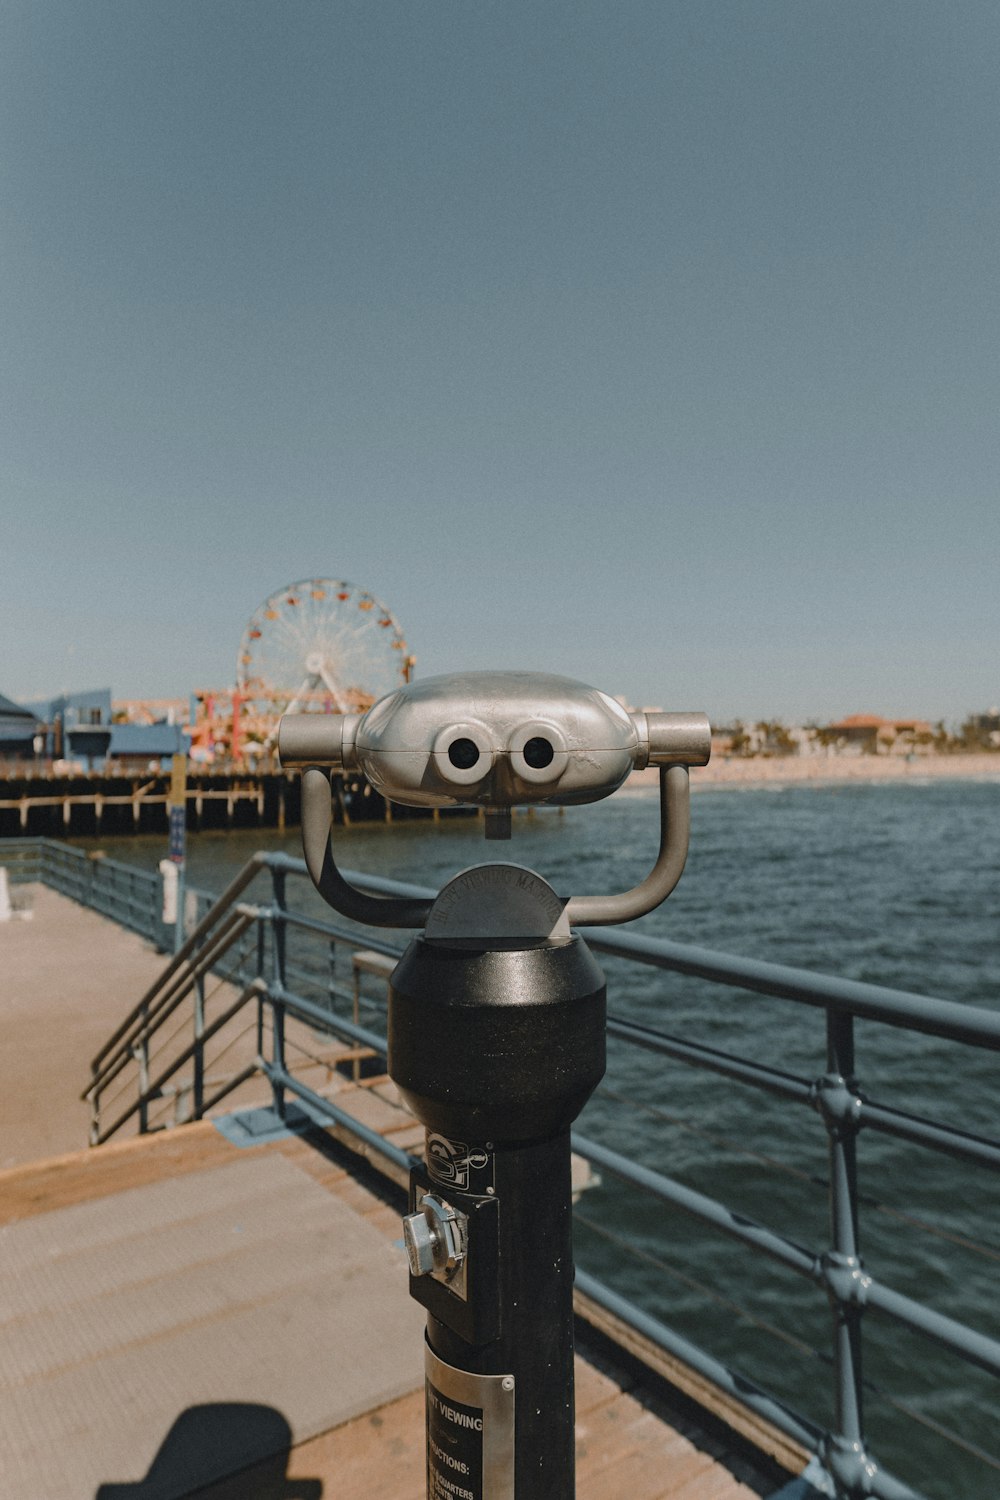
(822, 770)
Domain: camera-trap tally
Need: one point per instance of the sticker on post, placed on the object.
(456, 1164)
(470, 1433)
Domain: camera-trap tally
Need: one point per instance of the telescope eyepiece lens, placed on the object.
(463, 754)
(538, 752)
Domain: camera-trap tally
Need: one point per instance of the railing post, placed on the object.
(278, 935)
(261, 995)
(846, 1456)
(198, 1095)
(141, 1054)
(356, 1012)
(95, 1109)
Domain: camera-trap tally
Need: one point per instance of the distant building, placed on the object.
(768, 738)
(19, 729)
(987, 727)
(143, 747)
(912, 735)
(76, 726)
(81, 728)
(869, 734)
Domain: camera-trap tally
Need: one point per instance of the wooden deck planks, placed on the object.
(380, 1456)
(626, 1450)
(127, 1319)
(68, 975)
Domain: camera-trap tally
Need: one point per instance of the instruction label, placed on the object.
(454, 1448)
(470, 1433)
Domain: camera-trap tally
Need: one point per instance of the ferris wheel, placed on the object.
(319, 645)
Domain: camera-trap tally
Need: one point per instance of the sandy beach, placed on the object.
(822, 770)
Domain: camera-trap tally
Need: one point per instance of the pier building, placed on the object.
(19, 729)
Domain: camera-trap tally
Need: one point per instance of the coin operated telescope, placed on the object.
(496, 1035)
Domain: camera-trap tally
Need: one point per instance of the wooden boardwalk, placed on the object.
(627, 1448)
(186, 1325)
(69, 975)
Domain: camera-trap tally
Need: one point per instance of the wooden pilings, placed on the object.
(102, 805)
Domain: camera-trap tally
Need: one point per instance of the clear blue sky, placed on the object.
(653, 343)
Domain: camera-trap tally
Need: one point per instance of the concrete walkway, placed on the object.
(67, 977)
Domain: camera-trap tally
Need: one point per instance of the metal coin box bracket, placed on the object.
(465, 1298)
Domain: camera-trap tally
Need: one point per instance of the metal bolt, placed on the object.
(434, 1237)
(419, 1239)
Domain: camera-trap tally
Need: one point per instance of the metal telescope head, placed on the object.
(495, 740)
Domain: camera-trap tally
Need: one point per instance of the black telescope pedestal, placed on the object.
(496, 1050)
(496, 1034)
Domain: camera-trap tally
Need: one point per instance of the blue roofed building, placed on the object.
(142, 747)
(77, 726)
(80, 728)
(19, 728)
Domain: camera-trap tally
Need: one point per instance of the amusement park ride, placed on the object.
(317, 646)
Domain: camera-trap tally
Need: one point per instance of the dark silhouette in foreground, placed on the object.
(208, 1444)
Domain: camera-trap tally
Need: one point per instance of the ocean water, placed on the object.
(897, 885)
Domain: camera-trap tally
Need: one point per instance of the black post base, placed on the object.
(497, 1052)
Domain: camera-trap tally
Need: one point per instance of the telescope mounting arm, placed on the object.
(675, 832)
(317, 847)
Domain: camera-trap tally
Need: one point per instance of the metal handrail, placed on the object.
(842, 1107)
(219, 909)
(164, 998)
(865, 1112)
(861, 1289)
(855, 997)
(154, 1089)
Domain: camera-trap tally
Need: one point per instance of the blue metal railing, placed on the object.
(247, 943)
(127, 895)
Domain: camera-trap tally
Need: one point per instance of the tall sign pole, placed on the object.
(177, 816)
